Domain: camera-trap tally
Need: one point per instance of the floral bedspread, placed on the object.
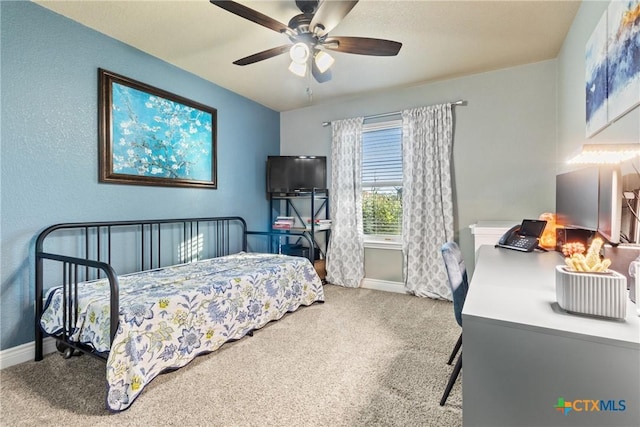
(170, 315)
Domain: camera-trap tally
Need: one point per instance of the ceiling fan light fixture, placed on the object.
(324, 61)
(299, 53)
(299, 69)
(308, 34)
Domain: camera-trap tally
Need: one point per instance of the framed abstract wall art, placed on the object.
(623, 57)
(148, 136)
(612, 65)
(596, 78)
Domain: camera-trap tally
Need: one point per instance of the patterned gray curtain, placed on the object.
(427, 201)
(345, 254)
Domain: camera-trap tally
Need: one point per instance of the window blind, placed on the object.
(382, 181)
(382, 157)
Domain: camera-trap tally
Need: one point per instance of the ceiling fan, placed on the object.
(309, 37)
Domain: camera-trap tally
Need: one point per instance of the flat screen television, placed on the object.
(577, 198)
(610, 204)
(295, 174)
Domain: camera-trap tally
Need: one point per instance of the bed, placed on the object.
(150, 296)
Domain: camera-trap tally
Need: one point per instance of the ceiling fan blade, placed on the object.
(252, 15)
(329, 14)
(265, 54)
(320, 77)
(363, 46)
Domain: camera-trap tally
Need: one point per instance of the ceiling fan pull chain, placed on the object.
(309, 81)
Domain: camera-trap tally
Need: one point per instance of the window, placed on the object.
(382, 181)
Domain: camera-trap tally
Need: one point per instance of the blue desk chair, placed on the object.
(459, 284)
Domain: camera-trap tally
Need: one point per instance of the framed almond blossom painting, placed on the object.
(148, 136)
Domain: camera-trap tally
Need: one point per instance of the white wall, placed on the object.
(504, 141)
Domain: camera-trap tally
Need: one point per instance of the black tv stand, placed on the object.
(317, 203)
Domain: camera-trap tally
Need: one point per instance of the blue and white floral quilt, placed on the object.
(170, 315)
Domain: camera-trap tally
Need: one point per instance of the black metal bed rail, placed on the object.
(150, 234)
(145, 236)
(70, 266)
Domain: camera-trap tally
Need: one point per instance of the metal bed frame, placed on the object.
(93, 241)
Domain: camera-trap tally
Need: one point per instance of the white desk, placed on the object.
(521, 351)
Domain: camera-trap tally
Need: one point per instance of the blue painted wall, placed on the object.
(49, 146)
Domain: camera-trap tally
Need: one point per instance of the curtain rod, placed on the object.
(375, 116)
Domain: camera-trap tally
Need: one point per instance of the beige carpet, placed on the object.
(364, 358)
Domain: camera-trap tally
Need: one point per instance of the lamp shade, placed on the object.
(299, 53)
(299, 69)
(323, 61)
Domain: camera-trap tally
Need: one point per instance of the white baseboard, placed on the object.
(384, 285)
(25, 352)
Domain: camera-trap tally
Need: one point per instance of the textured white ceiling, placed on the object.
(441, 40)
